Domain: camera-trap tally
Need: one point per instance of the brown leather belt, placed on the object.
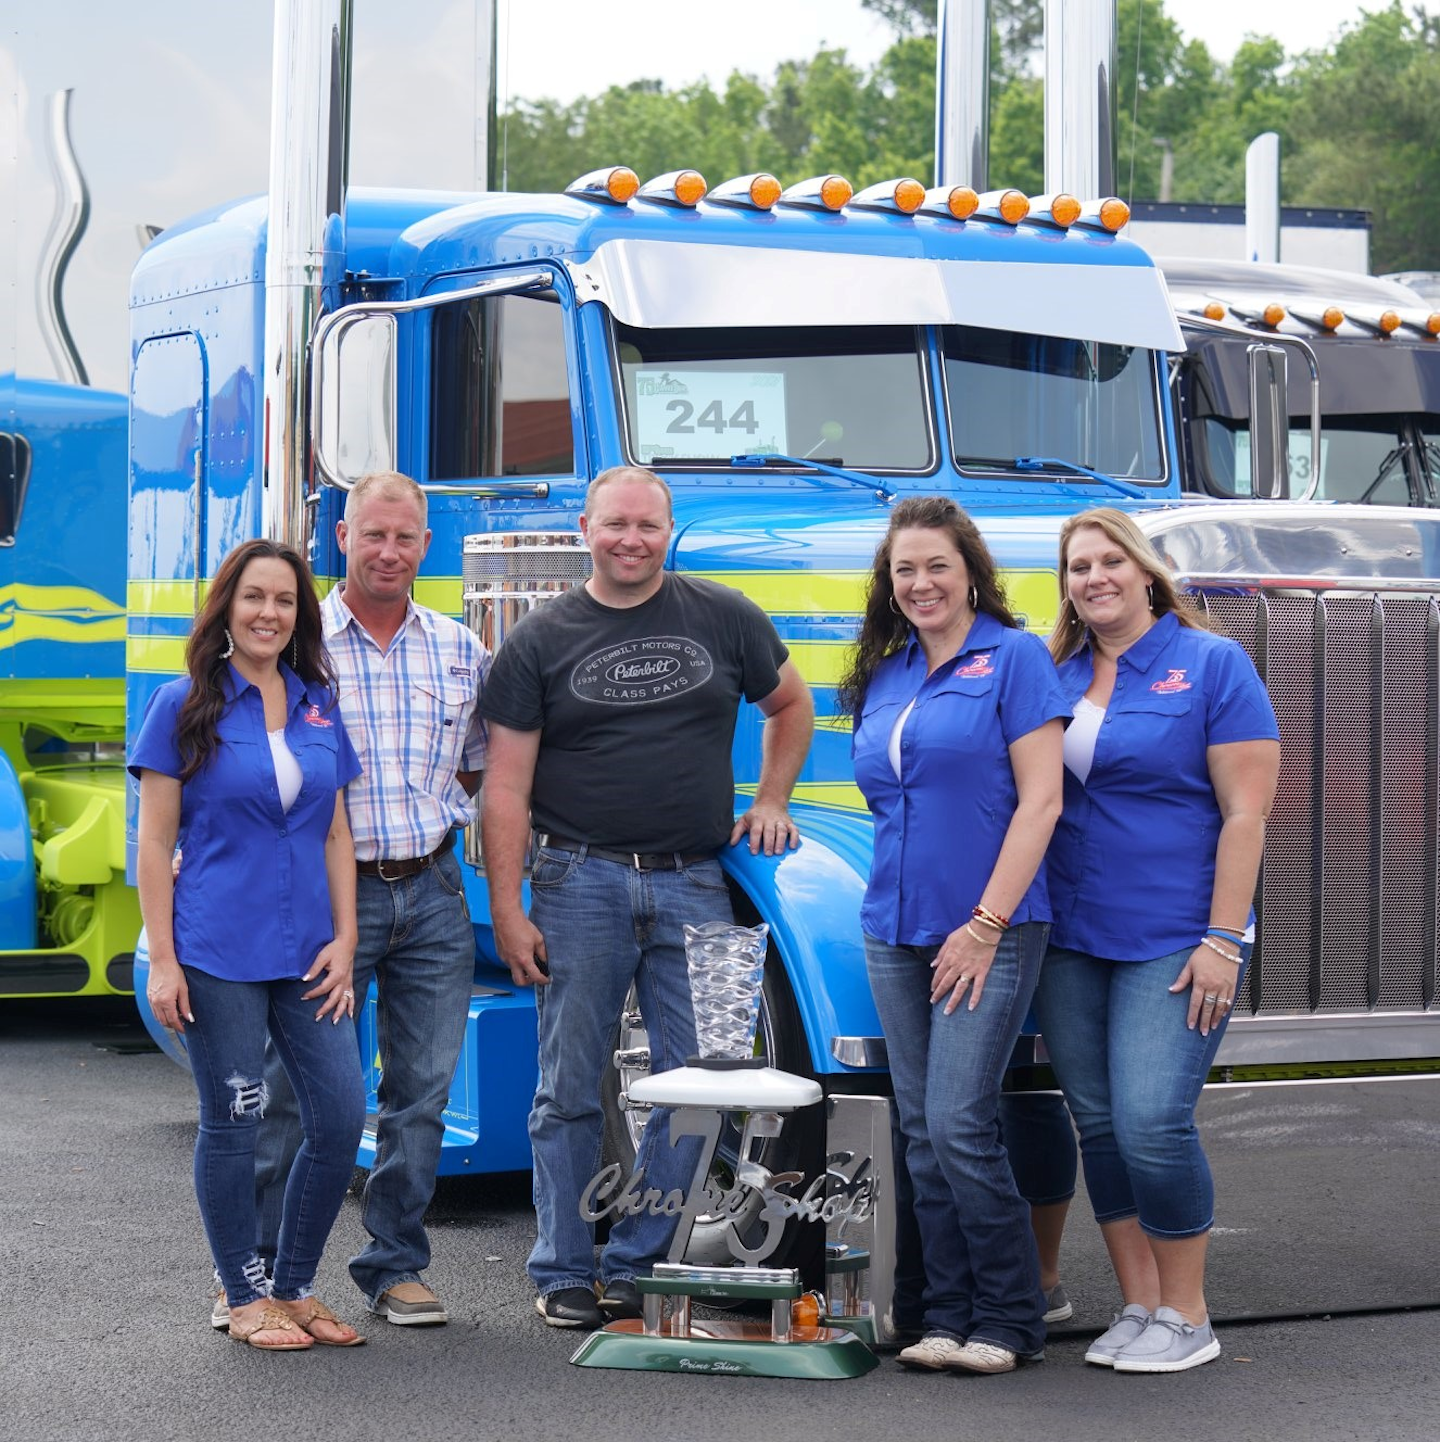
(636, 860)
(399, 870)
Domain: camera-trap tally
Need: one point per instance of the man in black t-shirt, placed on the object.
(611, 713)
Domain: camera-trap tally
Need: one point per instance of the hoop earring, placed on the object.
(229, 650)
(974, 598)
(1150, 598)
(893, 606)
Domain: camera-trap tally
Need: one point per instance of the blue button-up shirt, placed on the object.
(1132, 863)
(252, 902)
(940, 824)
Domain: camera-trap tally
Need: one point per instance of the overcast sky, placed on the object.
(567, 48)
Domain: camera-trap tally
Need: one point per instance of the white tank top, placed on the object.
(287, 769)
(1080, 738)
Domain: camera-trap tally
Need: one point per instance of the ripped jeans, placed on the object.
(226, 1043)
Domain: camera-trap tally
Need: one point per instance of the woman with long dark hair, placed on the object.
(242, 767)
(957, 738)
(1171, 764)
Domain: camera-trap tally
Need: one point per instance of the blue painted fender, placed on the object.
(17, 864)
(811, 899)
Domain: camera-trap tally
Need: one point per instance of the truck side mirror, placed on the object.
(1269, 424)
(353, 395)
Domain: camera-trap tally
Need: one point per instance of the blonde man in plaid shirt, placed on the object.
(409, 679)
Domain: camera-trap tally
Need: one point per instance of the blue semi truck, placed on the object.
(791, 360)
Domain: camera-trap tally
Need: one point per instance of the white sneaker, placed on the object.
(1123, 1330)
(1169, 1344)
(220, 1313)
(985, 1357)
(934, 1352)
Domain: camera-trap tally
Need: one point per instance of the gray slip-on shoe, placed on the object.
(410, 1304)
(1169, 1344)
(1123, 1330)
(1057, 1305)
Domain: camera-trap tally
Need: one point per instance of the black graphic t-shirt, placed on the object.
(637, 711)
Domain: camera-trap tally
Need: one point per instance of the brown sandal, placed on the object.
(271, 1319)
(316, 1311)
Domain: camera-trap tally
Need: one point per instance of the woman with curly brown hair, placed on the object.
(957, 740)
(242, 764)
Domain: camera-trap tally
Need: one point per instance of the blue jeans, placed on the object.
(982, 1275)
(1038, 1137)
(605, 926)
(227, 1047)
(417, 945)
(1132, 1072)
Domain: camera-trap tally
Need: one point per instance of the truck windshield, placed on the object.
(1085, 402)
(848, 396)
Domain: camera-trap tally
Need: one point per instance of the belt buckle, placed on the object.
(635, 859)
(380, 872)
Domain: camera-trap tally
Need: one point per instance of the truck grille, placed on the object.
(1348, 890)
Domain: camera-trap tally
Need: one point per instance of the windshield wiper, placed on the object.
(878, 489)
(1383, 474)
(1074, 468)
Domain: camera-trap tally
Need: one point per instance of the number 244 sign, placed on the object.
(708, 413)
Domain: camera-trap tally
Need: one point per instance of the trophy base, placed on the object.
(726, 1348)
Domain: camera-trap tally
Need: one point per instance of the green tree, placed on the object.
(1366, 132)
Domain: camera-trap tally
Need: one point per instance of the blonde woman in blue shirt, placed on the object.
(1171, 763)
(243, 765)
(957, 739)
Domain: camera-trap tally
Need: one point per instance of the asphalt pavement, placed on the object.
(1325, 1280)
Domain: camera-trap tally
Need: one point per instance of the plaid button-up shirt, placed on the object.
(411, 714)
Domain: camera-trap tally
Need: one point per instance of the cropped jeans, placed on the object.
(982, 1276)
(1132, 1071)
(418, 946)
(227, 1047)
(605, 926)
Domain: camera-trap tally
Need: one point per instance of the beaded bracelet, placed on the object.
(993, 918)
(970, 930)
(1219, 950)
(1236, 936)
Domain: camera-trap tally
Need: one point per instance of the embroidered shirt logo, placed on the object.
(463, 672)
(314, 718)
(1175, 681)
(976, 666)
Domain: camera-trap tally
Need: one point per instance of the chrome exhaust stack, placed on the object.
(962, 94)
(1080, 97)
(305, 241)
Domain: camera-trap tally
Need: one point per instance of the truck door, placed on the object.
(168, 427)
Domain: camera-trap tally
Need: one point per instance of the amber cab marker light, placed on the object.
(903, 196)
(1273, 314)
(959, 202)
(1059, 209)
(1009, 206)
(612, 183)
(820, 192)
(759, 191)
(1109, 214)
(1389, 321)
(676, 187)
(1214, 311)
(1333, 318)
